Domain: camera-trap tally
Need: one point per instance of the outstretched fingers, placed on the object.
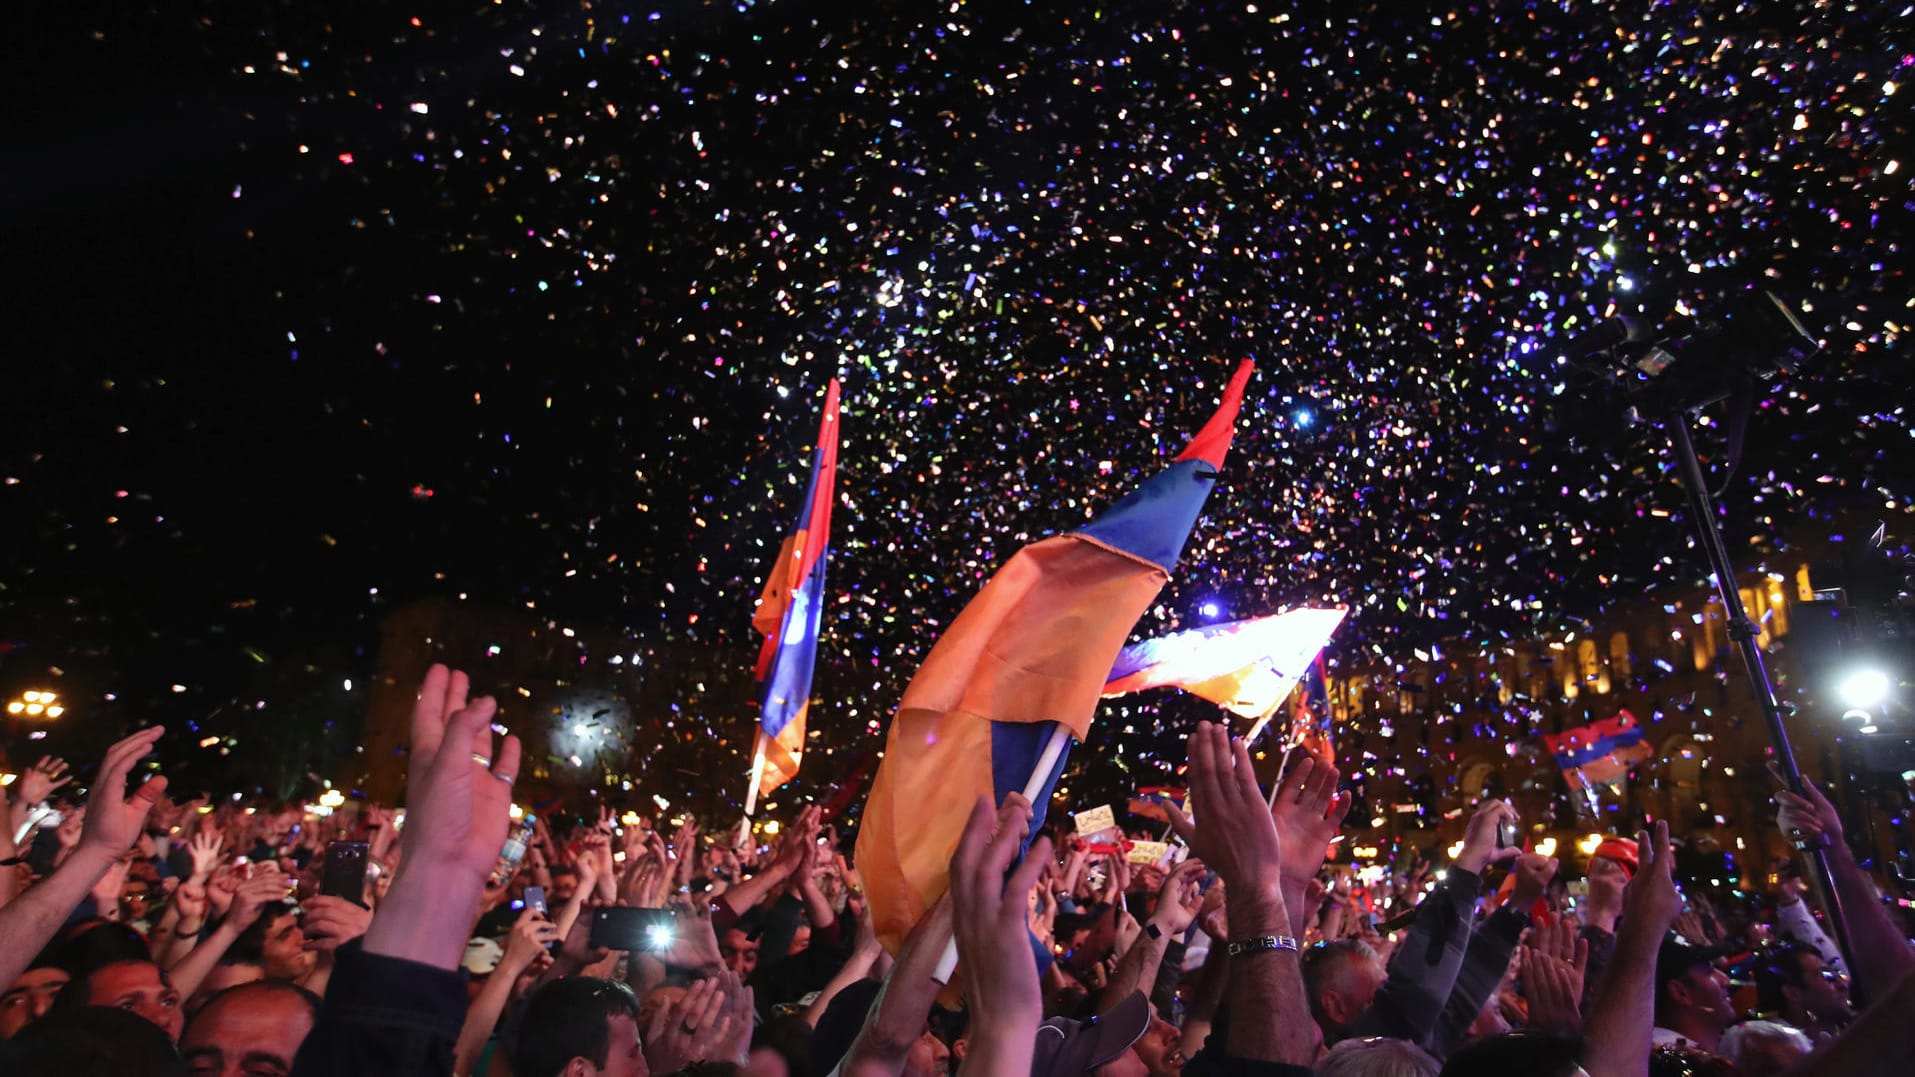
(1298, 784)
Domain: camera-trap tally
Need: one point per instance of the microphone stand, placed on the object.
(1742, 631)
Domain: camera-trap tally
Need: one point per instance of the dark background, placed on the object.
(283, 352)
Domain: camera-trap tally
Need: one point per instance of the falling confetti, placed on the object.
(528, 308)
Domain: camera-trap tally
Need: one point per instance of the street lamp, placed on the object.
(1865, 689)
(36, 705)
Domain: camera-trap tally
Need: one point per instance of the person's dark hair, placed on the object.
(250, 947)
(566, 1019)
(256, 987)
(97, 1041)
(564, 869)
(1321, 964)
(838, 1026)
(790, 1036)
(78, 992)
(1779, 967)
(1675, 960)
(1516, 1054)
(94, 944)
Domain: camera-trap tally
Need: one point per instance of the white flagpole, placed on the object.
(1060, 739)
(757, 775)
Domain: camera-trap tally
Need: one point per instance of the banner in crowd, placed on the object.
(1600, 753)
(790, 611)
(1246, 667)
(1031, 652)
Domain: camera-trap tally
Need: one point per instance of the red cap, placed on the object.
(1622, 851)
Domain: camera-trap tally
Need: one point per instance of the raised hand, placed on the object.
(114, 821)
(587, 868)
(252, 895)
(695, 946)
(1651, 894)
(459, 783)
(41, 779)
(1533, 873)
(190, 900)
(221, 888)
(1808, 820)
(70, 829)
(204, 850)
(1308, 811)
(1180, 898)
(988, 919)
(1479, 840)
(1690, 926)
(106, 892)
(1235, 833)
(687, 1030)
(1555, 961)
(331, 922)
(732, 1043)
(528, 943)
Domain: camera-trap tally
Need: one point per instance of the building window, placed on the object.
(1589, 666)
(1619, 662)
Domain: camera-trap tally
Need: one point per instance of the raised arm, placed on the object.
(896, 1019)
(1624, 1013)
(990, 920)
(1882, 956)
(524, 946)
(249, 901)
(1308, 810)
(397, 1002)
(1423, 973)
(1177, 903)
(1236, 835)
(114, 821)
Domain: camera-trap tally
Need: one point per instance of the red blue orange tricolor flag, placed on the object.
(1600, 753)
(1031, 651)
(790, 611)
(1246, 667)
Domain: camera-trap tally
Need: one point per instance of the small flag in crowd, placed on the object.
(1031, 652)
(1154, 802)
(1599, 753)
(790, 611)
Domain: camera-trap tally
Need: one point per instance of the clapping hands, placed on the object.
(1235, 832)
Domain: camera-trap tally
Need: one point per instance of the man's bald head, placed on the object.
(251, 1029)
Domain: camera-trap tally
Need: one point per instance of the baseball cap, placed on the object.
(1677, 956)
(482, 956)
(1623, 851)
(1067, 1048)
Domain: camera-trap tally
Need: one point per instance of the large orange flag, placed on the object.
(1032, 651)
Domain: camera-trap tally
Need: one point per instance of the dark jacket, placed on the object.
(1423, 971)
(1484, 963)
(384, 1015)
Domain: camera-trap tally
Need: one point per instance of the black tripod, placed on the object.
(1742, 631)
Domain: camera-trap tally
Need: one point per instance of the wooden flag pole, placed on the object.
(1060, 739)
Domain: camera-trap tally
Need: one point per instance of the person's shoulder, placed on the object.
(1663, 1037)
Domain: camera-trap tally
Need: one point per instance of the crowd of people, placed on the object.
(141, 934)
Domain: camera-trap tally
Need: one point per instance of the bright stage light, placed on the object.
(1865, 688)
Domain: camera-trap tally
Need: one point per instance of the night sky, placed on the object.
(321, 308)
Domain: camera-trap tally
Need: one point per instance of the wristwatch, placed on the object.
(1262, 943)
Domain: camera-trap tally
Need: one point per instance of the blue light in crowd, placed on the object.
(1210, 609)
(1303, 417)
